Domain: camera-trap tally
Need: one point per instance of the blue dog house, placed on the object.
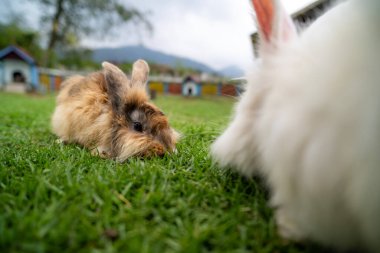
(17, 69)
(191, 87)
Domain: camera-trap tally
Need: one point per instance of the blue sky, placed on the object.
(215, 32)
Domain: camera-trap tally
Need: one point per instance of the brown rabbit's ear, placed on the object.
(140, 72)
(116, 82)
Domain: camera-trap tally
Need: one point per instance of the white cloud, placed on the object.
(215, 32)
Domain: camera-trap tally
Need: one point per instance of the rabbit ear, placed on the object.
(140, 71)
(116, 82)
(274, 24)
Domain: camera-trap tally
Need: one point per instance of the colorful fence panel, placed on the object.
(228, 90)
(175, 88)
(57, 82)
(51, 81)
(210, 89)
(45, 81)
(156, 86)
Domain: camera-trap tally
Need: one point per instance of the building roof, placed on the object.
(18, 52)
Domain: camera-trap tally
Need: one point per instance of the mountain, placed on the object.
(232, 71)
(132, 53)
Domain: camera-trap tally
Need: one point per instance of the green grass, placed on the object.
(59, 198)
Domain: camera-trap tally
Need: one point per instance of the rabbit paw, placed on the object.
(155, 149)
(287, 228)
(60, 141)
(103, 152)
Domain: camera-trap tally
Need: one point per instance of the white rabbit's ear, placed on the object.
(140, 72)
(275, 26)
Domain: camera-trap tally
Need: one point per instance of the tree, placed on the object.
(78, 59)
(14, 33)
(69, 20)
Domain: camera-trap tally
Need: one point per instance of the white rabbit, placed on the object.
(309, 122)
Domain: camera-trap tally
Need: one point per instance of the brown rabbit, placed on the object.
(111, 115)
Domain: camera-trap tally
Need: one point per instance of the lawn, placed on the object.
(59, 198)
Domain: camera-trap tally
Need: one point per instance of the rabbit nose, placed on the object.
(157, 149)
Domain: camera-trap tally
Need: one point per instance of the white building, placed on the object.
(18, 70)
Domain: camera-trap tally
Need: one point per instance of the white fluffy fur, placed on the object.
(310, 122)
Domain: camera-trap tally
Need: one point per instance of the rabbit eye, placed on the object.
(137, 126)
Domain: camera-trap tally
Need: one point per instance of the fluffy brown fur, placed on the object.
(111, 115)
